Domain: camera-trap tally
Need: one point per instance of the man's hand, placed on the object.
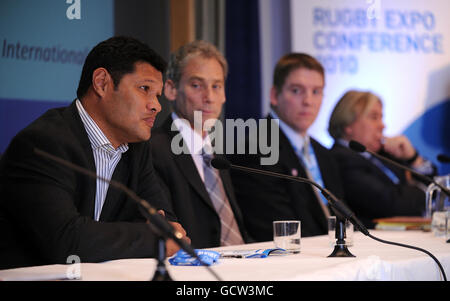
(171, 246)
(400, 147)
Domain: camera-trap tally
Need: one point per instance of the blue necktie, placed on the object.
(391, 175)
(309, 161)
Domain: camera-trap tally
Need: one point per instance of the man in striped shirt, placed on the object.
(48, 212)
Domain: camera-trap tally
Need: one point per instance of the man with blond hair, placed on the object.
(375, 189)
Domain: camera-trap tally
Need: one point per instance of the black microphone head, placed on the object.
(443, 158)
(220, 163)
(356, 146)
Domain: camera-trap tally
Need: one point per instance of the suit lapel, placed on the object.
(290, 162)
(358, 159)
(189, 170)
(73, 118)
(187, 166)
(288, 157)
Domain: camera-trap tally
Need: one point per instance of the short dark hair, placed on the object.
(118, 55)
(291, 62)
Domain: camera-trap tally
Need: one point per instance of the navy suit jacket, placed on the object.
(264, 199)
(47, 210)
(187, 193)
(370, 192)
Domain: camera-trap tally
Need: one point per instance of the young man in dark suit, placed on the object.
(296, 97)
(202, 197)
(49, 212)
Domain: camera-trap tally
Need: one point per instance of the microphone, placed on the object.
(340, 207)
(157, 221)
(443, 158)
(358, 147)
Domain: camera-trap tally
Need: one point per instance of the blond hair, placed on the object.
(351, 105)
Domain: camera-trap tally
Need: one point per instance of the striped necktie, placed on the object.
(230, 234)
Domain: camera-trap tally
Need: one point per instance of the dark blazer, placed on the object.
(187, 193)
(264, 199)
(369, 191)
(47, 210)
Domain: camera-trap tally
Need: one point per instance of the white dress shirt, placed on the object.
(193, 141)
(105, 157)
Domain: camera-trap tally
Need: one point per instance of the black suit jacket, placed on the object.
(369, 191)
(187, 193)
(264, 199)
(47, 210)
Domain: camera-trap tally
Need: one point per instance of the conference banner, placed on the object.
(43, 45)
(399, 50)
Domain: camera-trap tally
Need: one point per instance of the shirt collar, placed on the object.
(96, 136)
(346, 143)
(193, 140)
(297, 141)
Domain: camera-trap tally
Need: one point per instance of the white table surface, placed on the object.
(373, 261)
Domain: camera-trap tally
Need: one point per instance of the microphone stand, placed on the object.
(341, 209)
(156, 222)
(161, 272)
(340, 248)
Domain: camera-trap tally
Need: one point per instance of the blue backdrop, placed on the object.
(43, 45)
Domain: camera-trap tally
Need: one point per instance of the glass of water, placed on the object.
(447, 226)
(286, 235)
(438, 223)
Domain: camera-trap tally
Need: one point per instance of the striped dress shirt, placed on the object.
(105, 157)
